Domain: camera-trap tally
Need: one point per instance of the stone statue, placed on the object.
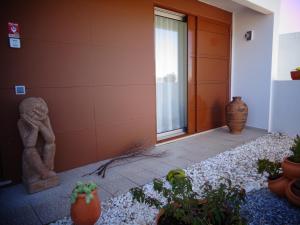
(39, 145)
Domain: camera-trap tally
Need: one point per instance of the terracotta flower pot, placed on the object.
(290, 169)
(296, 187)
(291, 195)
(236, 115)
(159, 215)
(278, 186)
(295, 75)
(86, 214)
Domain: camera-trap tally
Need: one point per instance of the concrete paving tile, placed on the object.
(247, 135)
(138, 175)
(55, 193)
(14, 196)
(155, 166)
(117, 186)
(19, 215)
(176, 162)
(198, 155)
(173, 150)
(103, 194)
(49, 210)
(208, 143)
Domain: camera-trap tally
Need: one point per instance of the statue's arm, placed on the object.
(46, 131)
(29, 134)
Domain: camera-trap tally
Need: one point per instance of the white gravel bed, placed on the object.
(238, 164)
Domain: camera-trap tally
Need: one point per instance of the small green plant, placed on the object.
(174, 175)
(219, 206)
(272, 168)
(295, 157)
(298, 68)
(224, 203)
(83, 188)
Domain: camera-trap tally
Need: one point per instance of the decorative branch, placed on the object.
(137, 151)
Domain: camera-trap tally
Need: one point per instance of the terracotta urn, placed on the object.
(278, 186)
(236, 115)
(83, 213)
(292, 193)
(290, 169)
(295, 75)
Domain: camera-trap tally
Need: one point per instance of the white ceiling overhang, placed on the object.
(236, 5)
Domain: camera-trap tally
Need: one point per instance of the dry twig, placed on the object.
(137, 151)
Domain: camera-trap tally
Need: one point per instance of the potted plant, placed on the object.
(277, 183)
(291, 165)
(85, 204)
(183, 206)
(293, 192)
(295, 75)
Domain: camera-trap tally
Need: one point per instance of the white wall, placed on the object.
(289, 39)
(252, 64)
(286, 107)
(288, 55)
(289, 16)
(285, 94)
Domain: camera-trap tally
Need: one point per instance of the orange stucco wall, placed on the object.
(93, 63)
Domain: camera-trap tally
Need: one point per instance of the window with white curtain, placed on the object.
(171, 74)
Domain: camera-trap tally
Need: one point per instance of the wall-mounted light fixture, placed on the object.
(249, 35)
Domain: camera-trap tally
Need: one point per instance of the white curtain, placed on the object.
(171, 74)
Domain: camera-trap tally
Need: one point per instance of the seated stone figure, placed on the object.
(39, 145)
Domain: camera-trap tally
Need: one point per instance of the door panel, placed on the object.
(192, 61)
(211, 70)
(213, 53)
(213, 45)
(210, 94)
(212, 118)
(212, 26)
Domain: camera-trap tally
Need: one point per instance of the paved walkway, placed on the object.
(17, 207)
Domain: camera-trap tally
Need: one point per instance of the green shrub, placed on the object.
(83, 188)
(219, 206)
(295, 157)
(224, 203)
(272, 168)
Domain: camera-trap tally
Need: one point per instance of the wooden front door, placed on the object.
(213, 60)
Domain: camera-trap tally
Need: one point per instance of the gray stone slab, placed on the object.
(177, 162)
(219, 140)
(19, 215)
(14, 196)
(116, 185)
(103, 194)
(137, 175)
(48, 211)
(155, 166)
(196, 156)
(247, 135)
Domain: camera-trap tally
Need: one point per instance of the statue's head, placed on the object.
(35, 108)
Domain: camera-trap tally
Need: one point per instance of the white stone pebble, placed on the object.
(238, 164)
